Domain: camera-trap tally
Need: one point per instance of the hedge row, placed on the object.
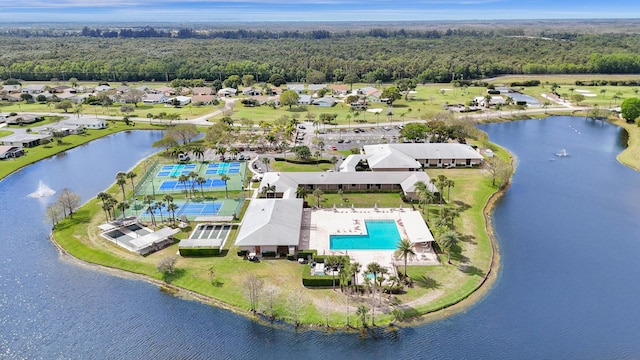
(199, 252)
(318, 280)
(303, 161)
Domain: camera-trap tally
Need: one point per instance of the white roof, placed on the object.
(287, 182)
(427, 150)
(147, 240)
(388, 158)
(414, 225)
(271, 222)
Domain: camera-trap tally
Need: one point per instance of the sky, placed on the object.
(86, 11)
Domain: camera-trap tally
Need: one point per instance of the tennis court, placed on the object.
(223, 168)
(176, 170)
(169, 185)
(192, 209)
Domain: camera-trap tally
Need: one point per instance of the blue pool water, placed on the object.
(381, 235)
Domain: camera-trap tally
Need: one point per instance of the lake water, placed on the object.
(567, 289)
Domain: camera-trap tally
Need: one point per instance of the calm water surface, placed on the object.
(568, 287)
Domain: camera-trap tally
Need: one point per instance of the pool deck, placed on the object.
(319, 224)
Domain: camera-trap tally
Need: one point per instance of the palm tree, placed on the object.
(158, 206)
(225, 178)
(172, 207)
(168, 199)
(130, 175)
(123, 206)
(449, 183)
(200, 180)
(334, 161)
(183, 179)
(121, 181)
(198, 152)
(318, 194)
(355, 269)
(447, 240)
(405, 249)
(268, 189)
(301, 192)
(266, 161)
(193, 176)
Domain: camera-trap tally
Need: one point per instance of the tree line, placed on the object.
(369, 57)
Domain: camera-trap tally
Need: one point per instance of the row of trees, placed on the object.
(441, 59)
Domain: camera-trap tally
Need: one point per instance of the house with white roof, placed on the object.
(158, 98)
(227, 92)
(305, 99)
(411, 157)
(298, 88)
(285, 184)
(271, 225)
(325, 102)
(33, 89)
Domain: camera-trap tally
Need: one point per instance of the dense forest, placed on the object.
(374, 55)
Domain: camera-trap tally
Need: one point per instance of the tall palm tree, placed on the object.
(123, 206)
(158, 206)
(200, 180)
(183, 179)
(355, 269)
(193, 176)
(449, 183)
(318, 194)
(168, 199)
(121, 181)
(198, 152)
(225, 178)
(172, 208)
(405, 249)
(266, 161)
(447, 239)
(130, 175)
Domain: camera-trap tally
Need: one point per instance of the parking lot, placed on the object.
(344, 139)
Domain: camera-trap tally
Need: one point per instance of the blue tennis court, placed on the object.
(223, 168)
(199, 209)
(192, 209)
(176, 170)
(177, 185)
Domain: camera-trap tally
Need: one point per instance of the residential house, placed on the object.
(22, 119)
(227, 92)
(202, 90)
(158, 98)
(166, 90)
(200, 100)
(341, 90)
(87, 123)
(325, 102)
(298, 88)
(495, 100)
(182, 100)
(366, 90)
(25, 140)
(10, 152)
(122, 89)
(33, 89)
(305, 100)
(102, 88)
(11, 89)
(315, 87)
(251, 91)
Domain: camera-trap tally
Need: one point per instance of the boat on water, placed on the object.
(562, 153)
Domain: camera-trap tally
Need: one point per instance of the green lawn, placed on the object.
(4, 133)
(43, 151)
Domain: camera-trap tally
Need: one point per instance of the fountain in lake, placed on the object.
(42, 191)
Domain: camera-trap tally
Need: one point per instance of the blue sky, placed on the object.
(309, 10)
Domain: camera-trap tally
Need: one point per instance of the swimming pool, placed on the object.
(381, 235)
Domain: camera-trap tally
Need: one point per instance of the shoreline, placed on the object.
(447, 310)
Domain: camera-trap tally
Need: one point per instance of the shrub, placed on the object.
(199, 252)
(269, 254)
(242, 253)
(493, 92)
(318, 280)
(305, 254)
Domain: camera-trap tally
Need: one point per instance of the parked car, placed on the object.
(334, 148)
(340, 141)
(301, 127)
(347, 141)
